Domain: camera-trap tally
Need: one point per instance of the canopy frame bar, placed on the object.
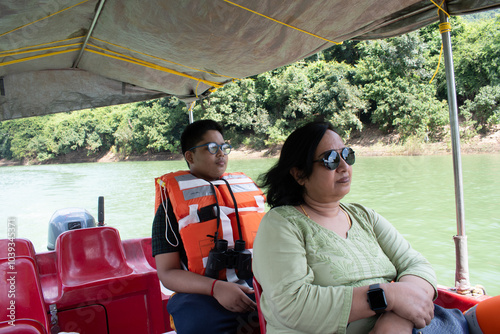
(89, 33)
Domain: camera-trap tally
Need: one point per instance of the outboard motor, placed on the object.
(66, 220)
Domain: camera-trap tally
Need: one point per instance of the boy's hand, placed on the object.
(233, 297)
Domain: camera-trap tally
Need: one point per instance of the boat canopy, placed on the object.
(63, 55)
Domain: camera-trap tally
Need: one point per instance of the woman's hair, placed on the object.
(194, 132)
(298, 151)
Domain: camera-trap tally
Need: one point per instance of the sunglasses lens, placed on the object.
(348, 156)
(331, 160)
(226, 148)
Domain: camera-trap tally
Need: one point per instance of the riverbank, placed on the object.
(370, 142)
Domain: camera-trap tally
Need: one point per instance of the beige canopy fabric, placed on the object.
(63, 55)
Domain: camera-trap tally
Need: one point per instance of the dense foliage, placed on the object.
(384, 83)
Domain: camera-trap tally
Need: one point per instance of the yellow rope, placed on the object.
(165, 60)
(38, 45)
(43, 18)
(37, 57)
(196, 89)
(439, 62)
(148, 64)
(191, 106)
(36, 48)
(41, 49)
(280, 22)
(157, 67)
(440, 8)
(443, 28)
(118, 56)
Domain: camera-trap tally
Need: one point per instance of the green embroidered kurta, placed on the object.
(308, 272)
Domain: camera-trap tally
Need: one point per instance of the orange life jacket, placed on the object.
(195, 207)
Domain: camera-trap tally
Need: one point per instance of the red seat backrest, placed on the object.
(90, 254)
(21, 291)
(258, 292)
(21, 247)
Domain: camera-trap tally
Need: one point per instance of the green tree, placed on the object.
(87, 130)
(5, 141)
(346, 52)
(484, 110)
(477, 57)
(394, 74)
(304, 92)
(151, 126)
(239, 108)
(23, 137)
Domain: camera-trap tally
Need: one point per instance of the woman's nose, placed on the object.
(343, 165)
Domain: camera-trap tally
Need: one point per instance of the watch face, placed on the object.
(376, 299)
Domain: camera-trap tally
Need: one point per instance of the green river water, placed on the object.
(414, 193)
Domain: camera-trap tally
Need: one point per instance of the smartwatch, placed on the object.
(376, 298)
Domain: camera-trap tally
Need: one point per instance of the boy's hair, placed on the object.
(194, 132)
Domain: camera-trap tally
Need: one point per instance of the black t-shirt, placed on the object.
(159, 242)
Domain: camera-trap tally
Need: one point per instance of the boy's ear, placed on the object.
(297, 175)
(189, 157)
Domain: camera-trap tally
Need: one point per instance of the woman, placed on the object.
(332, 267)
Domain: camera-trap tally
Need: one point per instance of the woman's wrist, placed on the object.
(389, 295)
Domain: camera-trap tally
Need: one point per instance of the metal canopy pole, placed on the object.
(190, 110)
(462, 263)
(89, 33)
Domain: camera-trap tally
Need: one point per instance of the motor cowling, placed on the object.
(66, 220)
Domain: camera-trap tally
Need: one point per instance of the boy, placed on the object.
(205, 304)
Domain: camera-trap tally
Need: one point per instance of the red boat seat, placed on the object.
(139, 255)
(21, 293)
(258, 292)
(90, 254)
(92, 270)
(147, 247)
(22, 247)
(22, 326)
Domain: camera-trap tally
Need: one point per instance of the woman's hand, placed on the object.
(391, 323)
(233, 297)
(410, 301)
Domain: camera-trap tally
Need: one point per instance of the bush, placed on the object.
(484, 110)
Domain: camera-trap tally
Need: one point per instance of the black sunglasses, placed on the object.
(214, 148)
(331, 159)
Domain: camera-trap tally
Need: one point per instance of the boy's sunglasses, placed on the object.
(331, 160)
(214, 148)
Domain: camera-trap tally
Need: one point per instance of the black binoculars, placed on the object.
(238, 258)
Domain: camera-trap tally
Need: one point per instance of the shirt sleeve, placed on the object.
(406, 259)
(165, 240)
(289, 297)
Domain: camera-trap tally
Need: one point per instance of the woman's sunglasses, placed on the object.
(214, 148)
(331, 159)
